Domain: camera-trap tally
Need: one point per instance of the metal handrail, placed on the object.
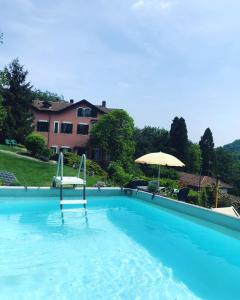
(82, 163)
(60, 165)
(82, 166)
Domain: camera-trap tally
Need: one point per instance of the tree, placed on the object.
(151, 139)
(207, 149)
(179, 139)
(35, 143)
(224, 164)
(3, 114)
(46, 96)
(194, 158)
(114, 134)
(17, 99)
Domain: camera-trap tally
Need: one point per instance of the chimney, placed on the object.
(103, 103)
(71, 101)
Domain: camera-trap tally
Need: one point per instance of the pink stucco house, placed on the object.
(66, 125)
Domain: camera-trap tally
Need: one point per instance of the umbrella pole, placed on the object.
(158, 177)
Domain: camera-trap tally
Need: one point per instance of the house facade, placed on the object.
(66, 126)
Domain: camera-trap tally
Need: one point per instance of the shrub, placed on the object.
(46, 154)
(192, 197)
(100, 184)
(152, 187)
(73, 160)
(224, 200)
(152, 171)
(169, 183)
(117, 174)
(202, 201)
(95, 169)
(35, 144)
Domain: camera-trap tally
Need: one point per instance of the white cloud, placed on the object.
(138, 4)
(153, 4)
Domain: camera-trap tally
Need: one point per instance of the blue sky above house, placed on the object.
(155, 58)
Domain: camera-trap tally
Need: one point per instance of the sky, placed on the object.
(155, 58)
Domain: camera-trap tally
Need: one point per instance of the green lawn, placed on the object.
(14, 149)
(34, 173)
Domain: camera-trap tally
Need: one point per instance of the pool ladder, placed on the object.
(66, 180)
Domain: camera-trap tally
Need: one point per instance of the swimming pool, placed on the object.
(126, 248)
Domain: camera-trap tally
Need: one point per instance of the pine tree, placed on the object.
(207, 148)
(17, 99)
(179, 138)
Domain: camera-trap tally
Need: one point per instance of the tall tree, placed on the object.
(17, 99)
(179, 139)
(207, 148)
(151, 139)
(194, 158)
(114, 133)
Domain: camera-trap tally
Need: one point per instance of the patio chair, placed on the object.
(13, 142)
(7, 142)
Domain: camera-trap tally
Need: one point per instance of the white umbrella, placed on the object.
(160, 159)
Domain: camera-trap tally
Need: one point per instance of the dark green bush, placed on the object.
(118, 175)
(95, 169)
(152, 187)
(73, 160)
(192, 197)
(202, 201)
(169, 183)
(46, 154)
(152, 171)
(35, 144)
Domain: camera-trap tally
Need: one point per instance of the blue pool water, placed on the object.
(126, 249)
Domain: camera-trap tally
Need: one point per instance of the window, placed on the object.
(42, 126)
(55, 149)
(65, 149)
(80, 150)
(82, 129)
(56, 127)
(66, 127)
(87, 112)
(80, 112)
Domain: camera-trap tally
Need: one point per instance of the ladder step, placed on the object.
(70, 180)
(70, 210)
(73, 202)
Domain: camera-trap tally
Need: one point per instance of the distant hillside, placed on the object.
(233, 147)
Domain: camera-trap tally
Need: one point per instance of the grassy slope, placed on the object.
(34, 173)
(14, 149)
